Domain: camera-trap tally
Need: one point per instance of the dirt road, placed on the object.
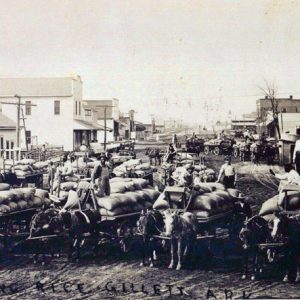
(117, 276)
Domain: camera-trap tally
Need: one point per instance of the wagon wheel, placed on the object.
(206, 150)
(236, 152)
(216, 151)
(126, 233)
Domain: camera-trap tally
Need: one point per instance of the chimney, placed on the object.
(291, 97)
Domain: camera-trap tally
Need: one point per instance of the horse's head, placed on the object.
(40, 223)
(147, 222)
(171, 220)
(56, 223)
(279, 224)
(254, 230)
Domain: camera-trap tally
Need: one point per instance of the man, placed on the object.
(296, 154)
(51, 175)
(100, 176)
(227, 172)
(171, 152)
(43, 152)
(186, 178)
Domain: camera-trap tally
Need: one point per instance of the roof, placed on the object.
(6, 123)
(37, 87)
(85, 125)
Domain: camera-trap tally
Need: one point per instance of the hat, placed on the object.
(227, 158)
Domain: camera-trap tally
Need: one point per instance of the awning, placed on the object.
(121, 123)
(85, 125)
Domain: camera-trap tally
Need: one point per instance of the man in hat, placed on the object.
(227, 172)
(100, 176)
(186, 178)
(171, 152)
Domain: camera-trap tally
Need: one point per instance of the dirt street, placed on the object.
(117, 276)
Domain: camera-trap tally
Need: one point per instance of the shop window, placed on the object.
(57, 107)
(28, 108)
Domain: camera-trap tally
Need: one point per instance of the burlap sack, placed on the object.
(270, 206)
(67, 186)
(6, 196)
(4, 187)
(4, 209)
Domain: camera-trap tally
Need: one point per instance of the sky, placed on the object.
(183, 59)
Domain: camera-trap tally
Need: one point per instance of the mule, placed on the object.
(287, 228)
(149, 224)
(79, 225)
(255, 231)
(39, 227)
(181, 229)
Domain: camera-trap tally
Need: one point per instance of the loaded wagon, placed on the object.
(218, 146)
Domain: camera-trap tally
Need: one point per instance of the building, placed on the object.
(244, 123)
(7, 137)
(128, 129)
(288, 124)
(58, 117)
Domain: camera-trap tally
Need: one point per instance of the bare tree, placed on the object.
(270, 92)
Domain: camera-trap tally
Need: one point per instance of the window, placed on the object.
(284, 110)
(76, 108)
(27, 108)
(57, 107)
(1, 143)
(88, 112)
(79, 105)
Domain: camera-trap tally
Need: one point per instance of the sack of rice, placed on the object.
(73, 200)
(22, 205)
(83, 185)
(147, 205)
(63, 195)
(18, 194)
(204, 202)
(151, 193)
(6, 196)
(143, 166)
(129, 186)
(20, 173)
(144, 196)
(26, 161)
(4, 187)
(213, 186)
(67, 186)
(4, 209)
(28, 193)
(117, 188)
(114, 200)
(42, 194)
(269, 218)
(23, 168)
(234, 193)
(13, 206)
(222, 203)
(132, 163)
(116, 212)
(37, 202)
(119, 179)
(161, 203)
(227, 199)
(270, 206)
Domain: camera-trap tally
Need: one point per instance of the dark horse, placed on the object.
(255, 231)
(79, 226)
(183, 229)
(154, 155)
(288, 229)
(41, 231)
(149, 224)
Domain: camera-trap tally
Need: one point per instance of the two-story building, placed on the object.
(7, 137)
(57, 117)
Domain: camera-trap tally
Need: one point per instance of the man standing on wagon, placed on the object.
(227, 172)
(100, 176)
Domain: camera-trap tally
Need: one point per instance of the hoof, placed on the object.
(142, 264)
(178, 267)
(260, 270)
(151, 265)
(77, 260)
(243, 277)
(43, 263)
(297, 280)
(35, 262)
(171, 266)
(253, 278)
(285, 279)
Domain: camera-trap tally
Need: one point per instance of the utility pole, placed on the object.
(105, 121)
(18, 104)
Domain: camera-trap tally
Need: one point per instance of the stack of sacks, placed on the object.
(8, 165)
(137, 167)
(205, 174)
(270, 206)
(81, 164)
(25, 167)
(65, 188)
(40, 166)
(209, 200)
(4, 186)
(127, 196)
(22, 198)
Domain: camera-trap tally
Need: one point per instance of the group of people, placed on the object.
(64, 171)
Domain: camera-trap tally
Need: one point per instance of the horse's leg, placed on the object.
(254, 265)
(142, 264)
(288, 263)
(179, 254)
(245, 264)
(172, 254)
(151, 249)
(297, 280)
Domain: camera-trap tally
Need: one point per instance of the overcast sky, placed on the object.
(157, 56)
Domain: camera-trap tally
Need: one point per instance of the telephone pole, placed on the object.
(18, 104)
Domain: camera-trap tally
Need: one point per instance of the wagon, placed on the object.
(218, 147)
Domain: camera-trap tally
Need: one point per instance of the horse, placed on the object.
(150, 223)
(79, 225)
(255, 231)
(183, 229)
(154, 155)
(39, 227)
(288, 228)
